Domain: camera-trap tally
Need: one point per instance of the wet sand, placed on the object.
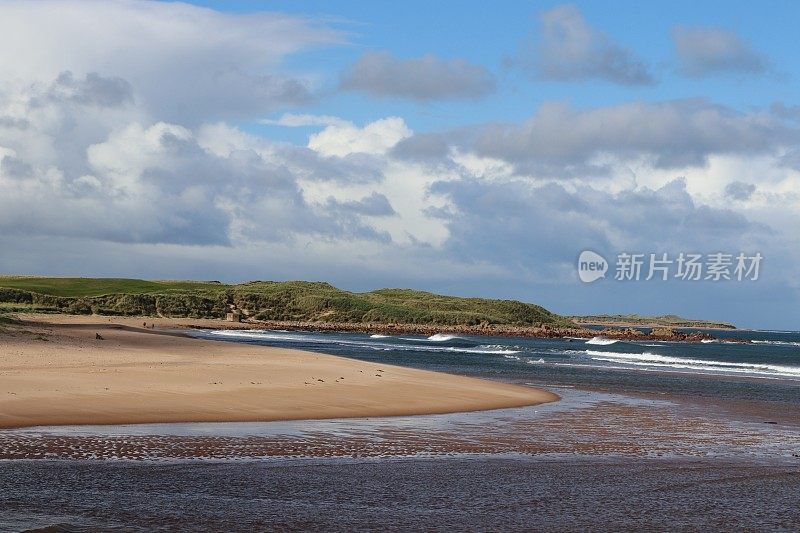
(583, 423)
(54, 371)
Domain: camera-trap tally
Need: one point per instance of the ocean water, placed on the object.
(766, 369)
(647, 436)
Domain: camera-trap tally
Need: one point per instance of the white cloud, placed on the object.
(346, 138)
(185, 63)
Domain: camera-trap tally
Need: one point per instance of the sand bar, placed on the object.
(53, 371)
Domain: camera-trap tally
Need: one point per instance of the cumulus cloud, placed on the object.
(709, 51)
(424, 78)
(346, 138)
(86, 166)
(117, 136)
(569, 49)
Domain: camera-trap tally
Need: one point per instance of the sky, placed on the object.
(456, 147)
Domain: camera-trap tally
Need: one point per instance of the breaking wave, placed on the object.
(601, 341)
(777, 343)
(377, 342)
(664, 361)
(443, 337)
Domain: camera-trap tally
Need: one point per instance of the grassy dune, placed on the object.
(263, 300)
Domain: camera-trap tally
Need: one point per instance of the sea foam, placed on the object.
(601, 341)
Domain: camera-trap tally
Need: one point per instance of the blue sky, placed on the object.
(486, 33)
(457, 147)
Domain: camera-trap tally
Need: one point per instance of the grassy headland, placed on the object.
(663, 321)
(262, 300)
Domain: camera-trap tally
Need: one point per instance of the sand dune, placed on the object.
(53, 371)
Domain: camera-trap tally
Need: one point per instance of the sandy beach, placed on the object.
(54, 371)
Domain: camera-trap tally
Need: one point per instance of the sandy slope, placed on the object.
(55, 372)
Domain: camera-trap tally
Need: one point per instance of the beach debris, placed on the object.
(98, 337)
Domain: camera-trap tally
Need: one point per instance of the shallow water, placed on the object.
(481, 493)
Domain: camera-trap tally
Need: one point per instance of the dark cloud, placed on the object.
(91, 90)
(15, 123)
(569, 49)
(227, 93)
(709, 51)
(14, 167)
(786, 112)
(791, 160)
(514, 224)
(424, 78)
(422, 147)
(673, 133)
(375, 205)
(739, 190)
(540, 228)
(349, 169)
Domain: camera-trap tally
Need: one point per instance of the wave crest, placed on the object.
(601, 341)
(651, 359)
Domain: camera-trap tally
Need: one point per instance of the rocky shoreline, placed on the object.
(543, 331)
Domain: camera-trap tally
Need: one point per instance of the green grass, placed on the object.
(266, 300)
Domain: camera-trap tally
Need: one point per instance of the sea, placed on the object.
(647, 435)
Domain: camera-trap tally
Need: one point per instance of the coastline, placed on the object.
(54, 371)
(483, 330)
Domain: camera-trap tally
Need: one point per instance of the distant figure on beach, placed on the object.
(98, 337)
